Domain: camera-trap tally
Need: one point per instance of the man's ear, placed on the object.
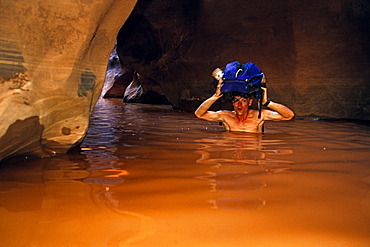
(250, 102)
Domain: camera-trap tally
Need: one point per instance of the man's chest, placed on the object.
(247, 125)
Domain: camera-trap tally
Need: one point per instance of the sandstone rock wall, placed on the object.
(315, 54)
(53, 57)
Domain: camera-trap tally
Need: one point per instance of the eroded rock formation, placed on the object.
(53, 60)
(128, 84)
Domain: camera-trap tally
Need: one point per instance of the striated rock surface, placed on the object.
(315, 54)
(53, 57)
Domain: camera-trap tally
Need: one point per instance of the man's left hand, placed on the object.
(264, 95)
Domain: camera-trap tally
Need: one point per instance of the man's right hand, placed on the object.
(218, 89)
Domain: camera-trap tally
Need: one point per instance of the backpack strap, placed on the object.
(259, 104)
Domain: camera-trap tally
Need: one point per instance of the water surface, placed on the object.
(150, 176)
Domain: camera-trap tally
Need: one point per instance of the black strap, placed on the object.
(267, 102)
(259, 108)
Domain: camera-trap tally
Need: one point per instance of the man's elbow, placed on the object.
(197, 114)
(290, 116)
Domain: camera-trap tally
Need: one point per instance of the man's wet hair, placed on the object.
(231, 95)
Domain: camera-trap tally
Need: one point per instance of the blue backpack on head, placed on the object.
(244, 80)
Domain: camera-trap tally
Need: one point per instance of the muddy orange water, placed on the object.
(149, 176)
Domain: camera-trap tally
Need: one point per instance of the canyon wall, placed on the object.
(53, 57)
(315, 54)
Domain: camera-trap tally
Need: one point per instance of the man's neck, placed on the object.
(244, 117)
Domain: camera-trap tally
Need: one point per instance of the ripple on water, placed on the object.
(150, 176)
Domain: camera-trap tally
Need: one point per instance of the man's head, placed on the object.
(241, 104)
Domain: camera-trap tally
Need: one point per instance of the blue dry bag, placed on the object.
(243, 78)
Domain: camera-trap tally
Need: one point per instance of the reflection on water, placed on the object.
(238, 160)
(149, 176)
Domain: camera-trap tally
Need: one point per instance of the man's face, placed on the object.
(241, 105)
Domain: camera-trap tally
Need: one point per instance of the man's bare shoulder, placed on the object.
(226, 113)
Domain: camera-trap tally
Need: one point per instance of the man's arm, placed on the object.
(202, 111)
(279, 111)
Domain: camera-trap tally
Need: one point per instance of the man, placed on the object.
(242, 118)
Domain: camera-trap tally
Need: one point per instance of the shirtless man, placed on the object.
(242, 118)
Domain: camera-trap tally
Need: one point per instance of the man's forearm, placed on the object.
(203, 108)
(281, 109)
